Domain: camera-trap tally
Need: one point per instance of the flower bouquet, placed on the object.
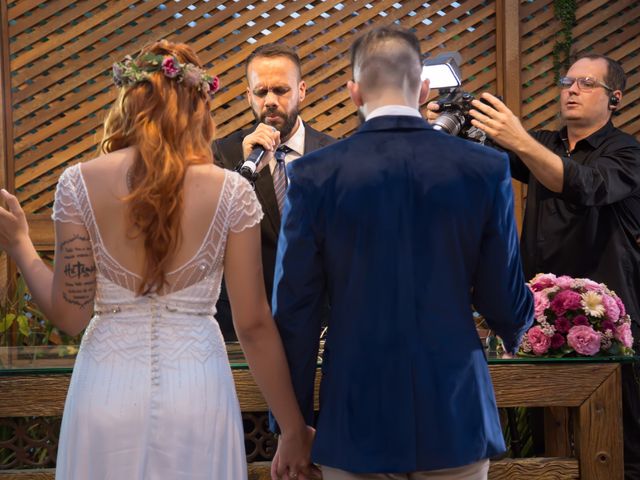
(576, 317)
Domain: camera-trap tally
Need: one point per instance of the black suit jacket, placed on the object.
(227, 152)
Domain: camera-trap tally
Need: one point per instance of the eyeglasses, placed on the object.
(586, 84)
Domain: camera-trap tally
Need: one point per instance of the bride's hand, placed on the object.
(13, 223)
(293, 458)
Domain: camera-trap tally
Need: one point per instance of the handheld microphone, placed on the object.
(248, 168)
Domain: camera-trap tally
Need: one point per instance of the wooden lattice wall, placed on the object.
(603, 27)
(56, 57)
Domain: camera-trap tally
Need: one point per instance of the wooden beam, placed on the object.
(598, 432)
(7, 174)
(507, 469)
(41, 231)
(514, 383)
(508, 79)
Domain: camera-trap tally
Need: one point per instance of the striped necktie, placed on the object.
(280, 175)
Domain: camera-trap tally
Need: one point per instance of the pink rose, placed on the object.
(539, 341)
(214, 85)
(565, 300)
(623, 311)
(581, 320)
(557, 340)
(591, 286)
(564, 282)
(624, 336)
(611, 309)
(170, 68)
(542, 281)
(562, 325)
(540, 304)
(584, 340)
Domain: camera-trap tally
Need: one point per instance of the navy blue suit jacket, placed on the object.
(405, 228)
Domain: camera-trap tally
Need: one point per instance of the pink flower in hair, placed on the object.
(214, 85)
(170, 67)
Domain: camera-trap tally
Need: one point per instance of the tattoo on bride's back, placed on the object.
(79, 270)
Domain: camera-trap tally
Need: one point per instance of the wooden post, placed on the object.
(7, 268)
(598, 432)
(508, 77)
(556, 432)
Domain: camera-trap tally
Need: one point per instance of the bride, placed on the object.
(143, 234)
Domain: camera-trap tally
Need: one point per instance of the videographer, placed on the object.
(582, 213)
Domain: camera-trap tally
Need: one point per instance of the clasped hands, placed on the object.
(292, 460)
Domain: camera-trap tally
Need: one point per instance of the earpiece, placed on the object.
(613, 101)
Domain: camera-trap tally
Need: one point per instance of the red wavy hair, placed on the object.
(170, 124)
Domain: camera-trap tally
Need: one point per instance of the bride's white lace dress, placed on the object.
(152, 394)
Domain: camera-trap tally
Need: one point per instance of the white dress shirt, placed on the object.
(395, 110)
(295, 143)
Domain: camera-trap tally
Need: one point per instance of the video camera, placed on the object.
(443, 73)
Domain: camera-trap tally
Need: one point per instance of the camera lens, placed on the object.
(449, 122)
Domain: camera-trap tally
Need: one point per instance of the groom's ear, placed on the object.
(354, 93)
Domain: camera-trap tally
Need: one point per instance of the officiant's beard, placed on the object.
(285, 124)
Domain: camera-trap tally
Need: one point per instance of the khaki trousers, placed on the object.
(474, 471)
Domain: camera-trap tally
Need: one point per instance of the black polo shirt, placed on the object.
(592, 228)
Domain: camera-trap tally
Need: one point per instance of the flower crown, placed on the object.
(130, 71)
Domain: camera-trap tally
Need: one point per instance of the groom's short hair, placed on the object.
(386, 57)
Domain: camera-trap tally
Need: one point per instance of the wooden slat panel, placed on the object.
(41, 231)
(85, 41)
(98, 68)
(35, 55)
(586, 23)
(63, 16)
(30, 13)
(58, 115)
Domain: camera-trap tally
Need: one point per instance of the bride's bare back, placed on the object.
(106, 185)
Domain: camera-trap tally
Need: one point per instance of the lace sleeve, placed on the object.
(65, 206)
(246, 210)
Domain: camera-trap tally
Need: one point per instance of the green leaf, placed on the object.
(23, 325)
(616, 348)
(7, 321)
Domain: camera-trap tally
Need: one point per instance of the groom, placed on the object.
(405, 228)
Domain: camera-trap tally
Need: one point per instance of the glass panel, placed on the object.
(60, 359)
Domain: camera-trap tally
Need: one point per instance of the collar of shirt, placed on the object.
(295, 143)
(596, 138)
(395, 110)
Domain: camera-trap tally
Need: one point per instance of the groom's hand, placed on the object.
(284, 465)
